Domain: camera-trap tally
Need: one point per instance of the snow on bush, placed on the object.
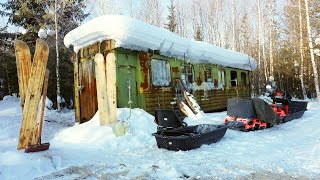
(42, 34)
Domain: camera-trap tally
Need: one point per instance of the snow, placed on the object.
(136, 35)
(51, 32)
(90, 151)
(317, 41)
(42, 34)
(24, 31)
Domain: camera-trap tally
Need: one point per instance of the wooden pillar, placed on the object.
(111, 72)
(76, 87)
(100, 70)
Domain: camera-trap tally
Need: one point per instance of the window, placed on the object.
(243, 78)
(221, 78)
(187, 75)
(160, 72)
(208, 76)
(233, 78)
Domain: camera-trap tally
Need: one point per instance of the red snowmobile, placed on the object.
(247, 114)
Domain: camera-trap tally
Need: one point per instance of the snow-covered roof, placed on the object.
(136, 35)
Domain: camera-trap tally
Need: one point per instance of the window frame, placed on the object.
(233, 79)
(168, 70)
(221, 78)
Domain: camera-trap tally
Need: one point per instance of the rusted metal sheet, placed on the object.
(145, 71)
(88, 90)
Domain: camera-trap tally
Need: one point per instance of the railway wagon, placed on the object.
(151, 62)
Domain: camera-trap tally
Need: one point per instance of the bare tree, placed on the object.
(151, 12)
(314, 64)
(301, 54)
(103, 7)
(271, 37)
(57, 51)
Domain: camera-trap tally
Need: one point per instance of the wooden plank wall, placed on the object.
(158, 99)
(88, 93)
(217, 99)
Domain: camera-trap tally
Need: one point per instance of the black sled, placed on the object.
(173, 134)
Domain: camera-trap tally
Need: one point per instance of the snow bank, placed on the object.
(136, 35)
(91, 134)
(89, 151)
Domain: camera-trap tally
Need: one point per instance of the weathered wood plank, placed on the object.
(43, 105)
(100, 68)
(111, 72)
(76, 87)
(23, 61)
(29, 132)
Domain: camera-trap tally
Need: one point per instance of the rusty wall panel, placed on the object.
(88, 92)
(145, 71)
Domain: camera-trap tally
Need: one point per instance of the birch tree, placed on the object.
(151, 12)
(259, 45)
(271, 38)
(301, 53)
(314, 64)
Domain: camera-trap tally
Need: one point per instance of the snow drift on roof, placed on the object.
(136, 35)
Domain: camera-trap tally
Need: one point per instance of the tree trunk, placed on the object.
(301, 54)
(314, 65)
(8, 80)
(265, 63)
(233, 25)
(259, 48)
(57, 51)
(271, 39)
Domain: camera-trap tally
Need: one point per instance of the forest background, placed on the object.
(282, 35)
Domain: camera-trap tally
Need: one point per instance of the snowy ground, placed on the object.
(88, 151)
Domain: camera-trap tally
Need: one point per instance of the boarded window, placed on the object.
(160, 72)
(243, 79)
(233, 78)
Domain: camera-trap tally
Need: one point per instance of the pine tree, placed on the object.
(35, 14)
(171, 26)
(8, 77)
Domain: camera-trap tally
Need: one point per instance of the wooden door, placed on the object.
(88, 90)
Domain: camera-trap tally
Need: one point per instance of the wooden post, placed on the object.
(111, 72)
(102, 96)
(29, 127)
(76, 87)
